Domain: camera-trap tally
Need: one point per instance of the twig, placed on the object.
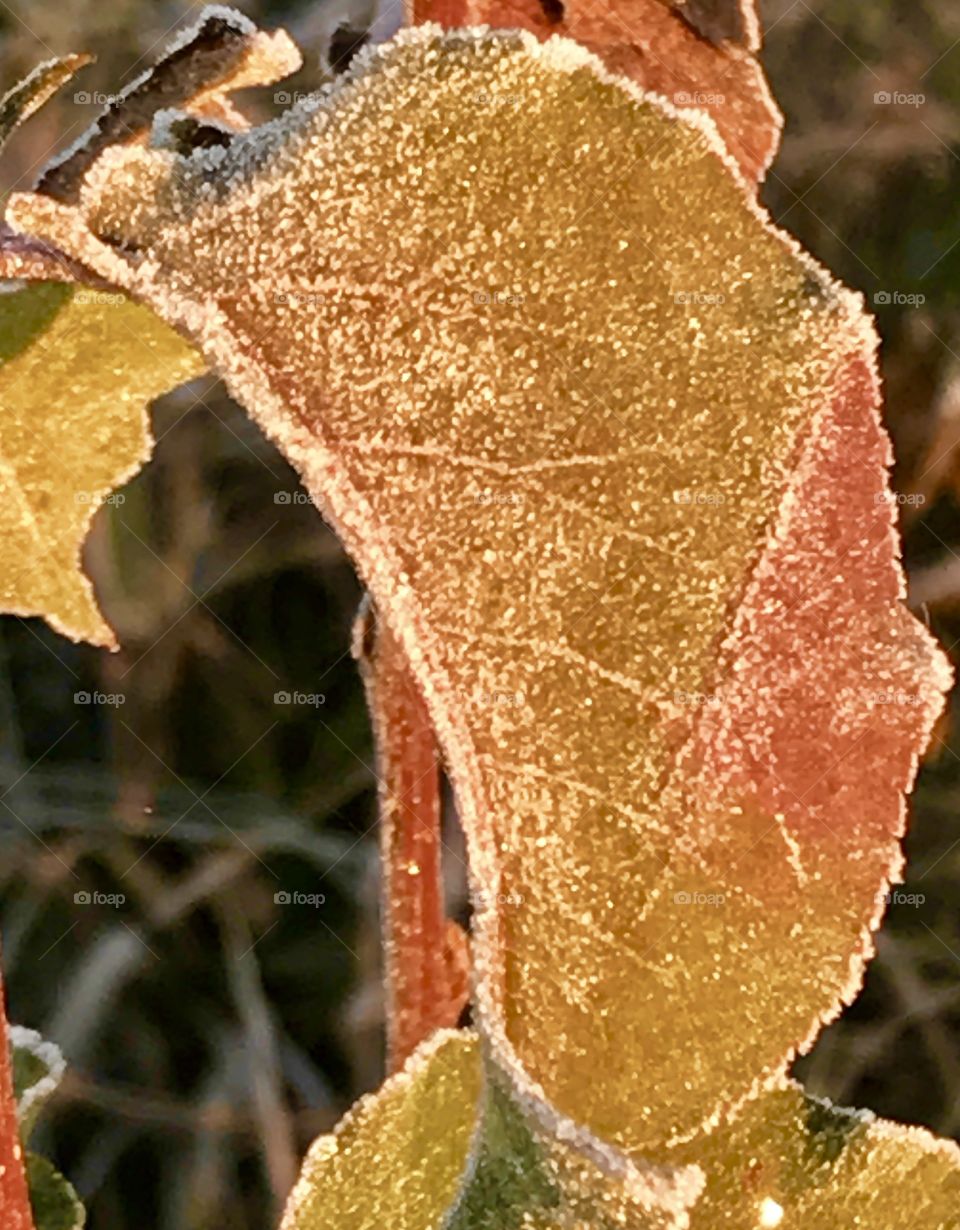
(424, 953)
(15, 1210)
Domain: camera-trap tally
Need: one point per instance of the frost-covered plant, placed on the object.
(580, 414)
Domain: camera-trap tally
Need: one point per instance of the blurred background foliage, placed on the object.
(211, 1031)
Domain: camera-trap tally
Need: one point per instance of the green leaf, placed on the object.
(56, 1206)
(525, 1176)
(38, 1068)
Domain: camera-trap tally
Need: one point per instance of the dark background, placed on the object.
(212, 1033)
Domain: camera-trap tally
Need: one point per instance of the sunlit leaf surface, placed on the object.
(78, 370)
(396, 1159)
(790, 1161)
(605, 448)
(801, 1164)
(696, 55)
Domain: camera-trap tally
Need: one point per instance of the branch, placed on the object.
(15, 1210)
(425, 954)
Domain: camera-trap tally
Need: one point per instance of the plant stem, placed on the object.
(424, 952)
(15, 1210)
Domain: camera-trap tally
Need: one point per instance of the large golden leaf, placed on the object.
(79, 367)
(605, 448)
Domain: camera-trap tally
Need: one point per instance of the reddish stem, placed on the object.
(425, 953)
(15, 1210)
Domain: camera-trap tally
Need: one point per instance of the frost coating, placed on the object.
(396, 1157)
(41, 1065)
(558, 383)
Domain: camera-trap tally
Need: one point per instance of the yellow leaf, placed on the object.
(79, 368)
(396, 1158)
(798, 1163)
(582, 417)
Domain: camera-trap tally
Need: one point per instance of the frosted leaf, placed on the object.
(438, 1147)
(224, 52)
(38, 1069)
(799, 1163)
(520, 1175)
(23, 99)
(77, 370)
(396, 1158)
(695, 53)
(722, 20)
(55, 1204)
(584, 419)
